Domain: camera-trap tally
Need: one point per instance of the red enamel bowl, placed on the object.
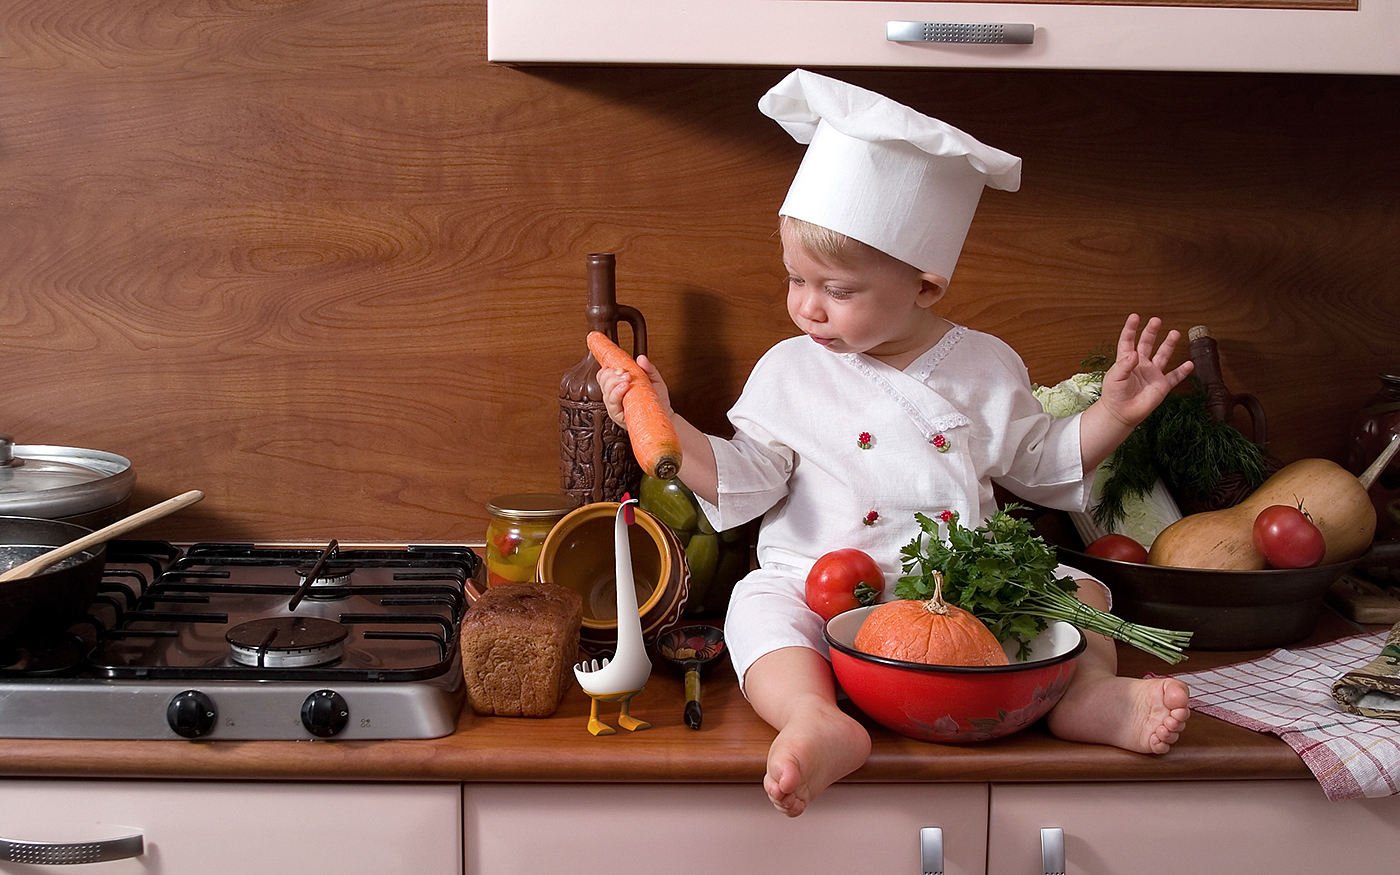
(954, 703)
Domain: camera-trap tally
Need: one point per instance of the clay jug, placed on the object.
(595, 457)
(1220, 401)
(1375, 424)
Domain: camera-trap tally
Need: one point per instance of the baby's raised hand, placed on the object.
(1139, 380)
(615, 382)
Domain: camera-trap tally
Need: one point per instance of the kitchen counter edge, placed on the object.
(731, 746)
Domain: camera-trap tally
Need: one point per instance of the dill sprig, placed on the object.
(1180, 443)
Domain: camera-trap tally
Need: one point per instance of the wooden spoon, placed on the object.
(102, 535)
(1369, 476)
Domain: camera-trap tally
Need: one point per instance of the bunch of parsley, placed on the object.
(1004, 574)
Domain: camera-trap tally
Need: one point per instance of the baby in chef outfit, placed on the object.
(882, 408)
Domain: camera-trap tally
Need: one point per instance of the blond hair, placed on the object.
(833, 246)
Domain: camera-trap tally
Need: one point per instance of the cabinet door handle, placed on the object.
(958, 32)
(70, 853)
(931, 850)
(1052, 850)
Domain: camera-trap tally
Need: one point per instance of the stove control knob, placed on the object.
(191, 714)
(325, 713)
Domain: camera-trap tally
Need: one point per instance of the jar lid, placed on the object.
(532, 505)
(53, 482)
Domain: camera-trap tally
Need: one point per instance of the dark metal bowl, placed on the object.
(1225, 610)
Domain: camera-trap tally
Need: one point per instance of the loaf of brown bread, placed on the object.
(519, 645)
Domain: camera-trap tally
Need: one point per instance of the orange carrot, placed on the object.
(654, 439)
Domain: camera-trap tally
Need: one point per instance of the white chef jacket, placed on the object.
(840, 450)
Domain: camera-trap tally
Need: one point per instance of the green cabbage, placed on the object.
(1070, 396)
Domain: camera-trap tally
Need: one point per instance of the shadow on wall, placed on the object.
(707, 364)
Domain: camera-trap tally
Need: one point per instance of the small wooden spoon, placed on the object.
(102, 535)
(1369, 476)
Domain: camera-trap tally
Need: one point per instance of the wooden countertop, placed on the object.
(731, 747)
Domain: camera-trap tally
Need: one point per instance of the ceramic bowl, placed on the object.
(954, 703)
(578, 554)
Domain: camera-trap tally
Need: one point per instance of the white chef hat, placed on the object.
(879, 172)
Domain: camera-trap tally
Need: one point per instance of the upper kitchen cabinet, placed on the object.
(1304, 36)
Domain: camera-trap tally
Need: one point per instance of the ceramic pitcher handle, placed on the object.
(633, 317)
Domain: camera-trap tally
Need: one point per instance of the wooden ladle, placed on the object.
(102, 535)
(688, 650)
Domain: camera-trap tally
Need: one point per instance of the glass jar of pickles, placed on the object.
(516, 532)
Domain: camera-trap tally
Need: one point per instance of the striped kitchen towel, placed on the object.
(1289, 693)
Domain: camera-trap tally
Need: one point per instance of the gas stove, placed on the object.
(242, 642)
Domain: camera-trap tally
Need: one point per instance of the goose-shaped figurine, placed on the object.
(622, 677)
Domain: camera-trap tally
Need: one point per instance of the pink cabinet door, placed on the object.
(583, 829)
(1247, 35)
(1205, 827)
(266, 828)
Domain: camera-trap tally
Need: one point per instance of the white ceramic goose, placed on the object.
(622, 677)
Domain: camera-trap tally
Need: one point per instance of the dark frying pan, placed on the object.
(52, 600)
(1226, 610)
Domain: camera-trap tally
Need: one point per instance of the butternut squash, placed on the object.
(1335, 499)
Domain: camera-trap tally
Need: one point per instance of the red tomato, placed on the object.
(1120, 547)
(843, 580)
(1288, 538)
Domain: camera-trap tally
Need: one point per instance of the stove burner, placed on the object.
(327, 586)
(331, 575)
(309, 578)
(286, 642)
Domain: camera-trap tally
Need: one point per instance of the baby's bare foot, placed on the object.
(1142, 715)
(810, 755)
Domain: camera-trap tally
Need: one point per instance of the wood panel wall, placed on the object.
(322, 261)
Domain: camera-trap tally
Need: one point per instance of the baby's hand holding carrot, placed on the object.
(645, 415)
(615, 382)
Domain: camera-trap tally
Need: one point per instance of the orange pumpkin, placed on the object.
(931, 632)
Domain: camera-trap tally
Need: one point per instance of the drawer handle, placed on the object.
(1052, 850)
(931, 850)
(958, 32)
(71, 853)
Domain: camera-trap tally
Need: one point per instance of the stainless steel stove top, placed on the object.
(237, 641)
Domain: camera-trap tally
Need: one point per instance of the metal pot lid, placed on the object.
(55, 482)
